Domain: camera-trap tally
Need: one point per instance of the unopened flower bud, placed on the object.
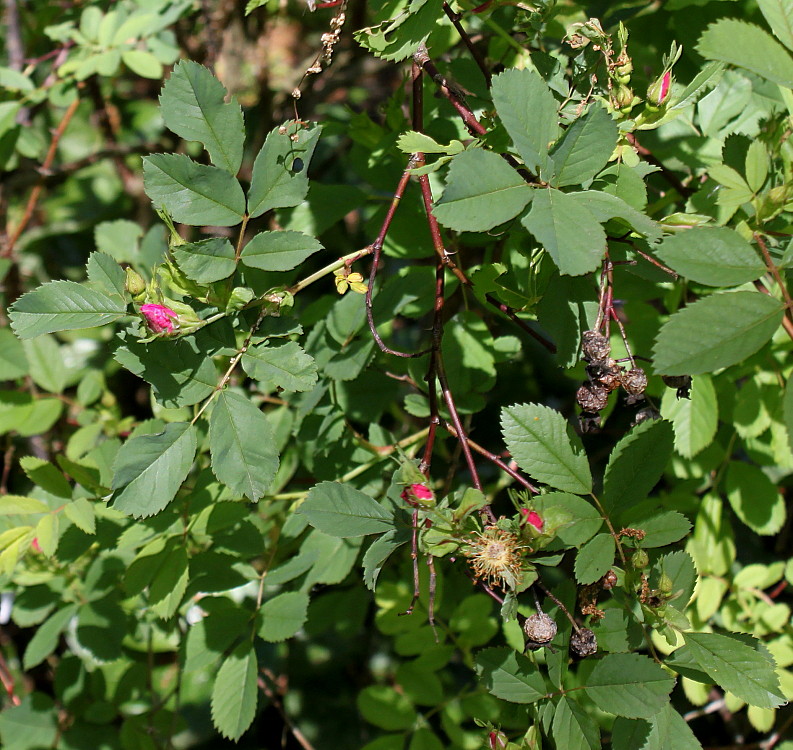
(531, 517)
(134, 282)
(658, 92)
(640, 559)
(622, 98)
(159, 318)
(665, 584)
(418, 494)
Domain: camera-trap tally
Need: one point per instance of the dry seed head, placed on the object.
(609, 581)
(592, 398)
(583, 642)
(635, 381)
(496, 557)
(595, 345)
(540, 628)
(607, 374)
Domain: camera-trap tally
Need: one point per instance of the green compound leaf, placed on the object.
(573, 729)
(636, 464)
(399, 37)
(193, 106)
(716, 332)
(584, 519)
(279, 178)
(779, 15)
(279, 251)
(283, 615)
(568, 230)
(585, 148)
(528, 110)
(193, 193)
(242, 444)
(747, 46)
(235, 693)
(342, 511)
(482, 191)
(510, 676)
(737, 667)
(284, 365)
(149, 469)
(629, 685)
(544, 445)
(716, 256)
(207, 260)
(595, 558)
(63, 306)
(755, 498)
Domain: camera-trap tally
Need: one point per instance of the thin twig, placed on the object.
(475, 53)
(276, 701)
(7, 251)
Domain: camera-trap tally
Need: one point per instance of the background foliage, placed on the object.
(299, 305)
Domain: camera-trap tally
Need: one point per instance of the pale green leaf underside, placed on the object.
(716, 332)
(747, 46)
(63, 306)
(779, 15)
(543, 445)
(482, 191)
(235, 693)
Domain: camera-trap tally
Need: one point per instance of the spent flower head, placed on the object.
(496, 557)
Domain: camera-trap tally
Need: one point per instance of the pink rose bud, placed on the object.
(658, 93)
(418, 494)
(158, 318)
(35, 544)
(532, 517)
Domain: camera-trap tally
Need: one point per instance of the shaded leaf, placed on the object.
(150, 469)
(510, 676)
(595, 558)
(283, 615)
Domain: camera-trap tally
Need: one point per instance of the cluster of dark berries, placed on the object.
(605, 375)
